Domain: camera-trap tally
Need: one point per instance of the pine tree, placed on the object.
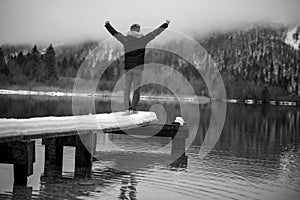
(35, 53)
(51, 63)
(20, 58)
(64, 66)
(34, 63)
(71, 71)
(3, 66)
(15, 71)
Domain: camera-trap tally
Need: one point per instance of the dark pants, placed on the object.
(135, 77)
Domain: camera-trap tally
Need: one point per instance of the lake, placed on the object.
(257, 155)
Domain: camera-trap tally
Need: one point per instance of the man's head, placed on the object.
(135, 27)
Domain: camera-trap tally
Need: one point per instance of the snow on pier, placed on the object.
(39, 127)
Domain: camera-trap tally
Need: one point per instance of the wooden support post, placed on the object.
(85, 147)
(53, 156)
(23, 157)
(178, 148)
(22, 192)
(20, 174)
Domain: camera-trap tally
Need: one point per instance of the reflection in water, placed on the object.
(128, 188)
(256, 157)
(22, 192)
(67, 188)
(260, 132)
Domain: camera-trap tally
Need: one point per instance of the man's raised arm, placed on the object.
(150, 36)
(114, 33)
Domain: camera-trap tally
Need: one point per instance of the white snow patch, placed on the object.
(43, 125)
(291, 40)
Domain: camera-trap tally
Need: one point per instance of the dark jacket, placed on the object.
(135, 47)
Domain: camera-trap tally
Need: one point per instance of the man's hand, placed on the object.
(107, 22)
(168, 21)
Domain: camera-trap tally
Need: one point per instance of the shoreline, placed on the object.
(241, 91)
(145, 97)
(106, 94)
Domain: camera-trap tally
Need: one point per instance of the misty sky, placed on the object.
(54, 21)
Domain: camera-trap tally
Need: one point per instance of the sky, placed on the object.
(55, 21)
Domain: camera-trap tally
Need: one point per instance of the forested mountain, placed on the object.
(258, 62)
(259, 56)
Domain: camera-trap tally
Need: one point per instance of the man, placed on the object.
(134, 46)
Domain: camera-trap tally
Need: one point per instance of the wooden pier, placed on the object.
(17, 140)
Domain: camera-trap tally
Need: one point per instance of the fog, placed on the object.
(56, 21)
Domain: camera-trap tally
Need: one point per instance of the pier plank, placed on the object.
(42, 127)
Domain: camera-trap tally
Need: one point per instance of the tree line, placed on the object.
(33, 66)
(252, 62)
(258, 56)
(40, 66)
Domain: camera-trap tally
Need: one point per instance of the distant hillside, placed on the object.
(261, 62)
(257, 59)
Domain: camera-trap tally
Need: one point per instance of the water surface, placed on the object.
(256, 157)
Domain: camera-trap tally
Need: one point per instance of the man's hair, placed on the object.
(135, 26)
